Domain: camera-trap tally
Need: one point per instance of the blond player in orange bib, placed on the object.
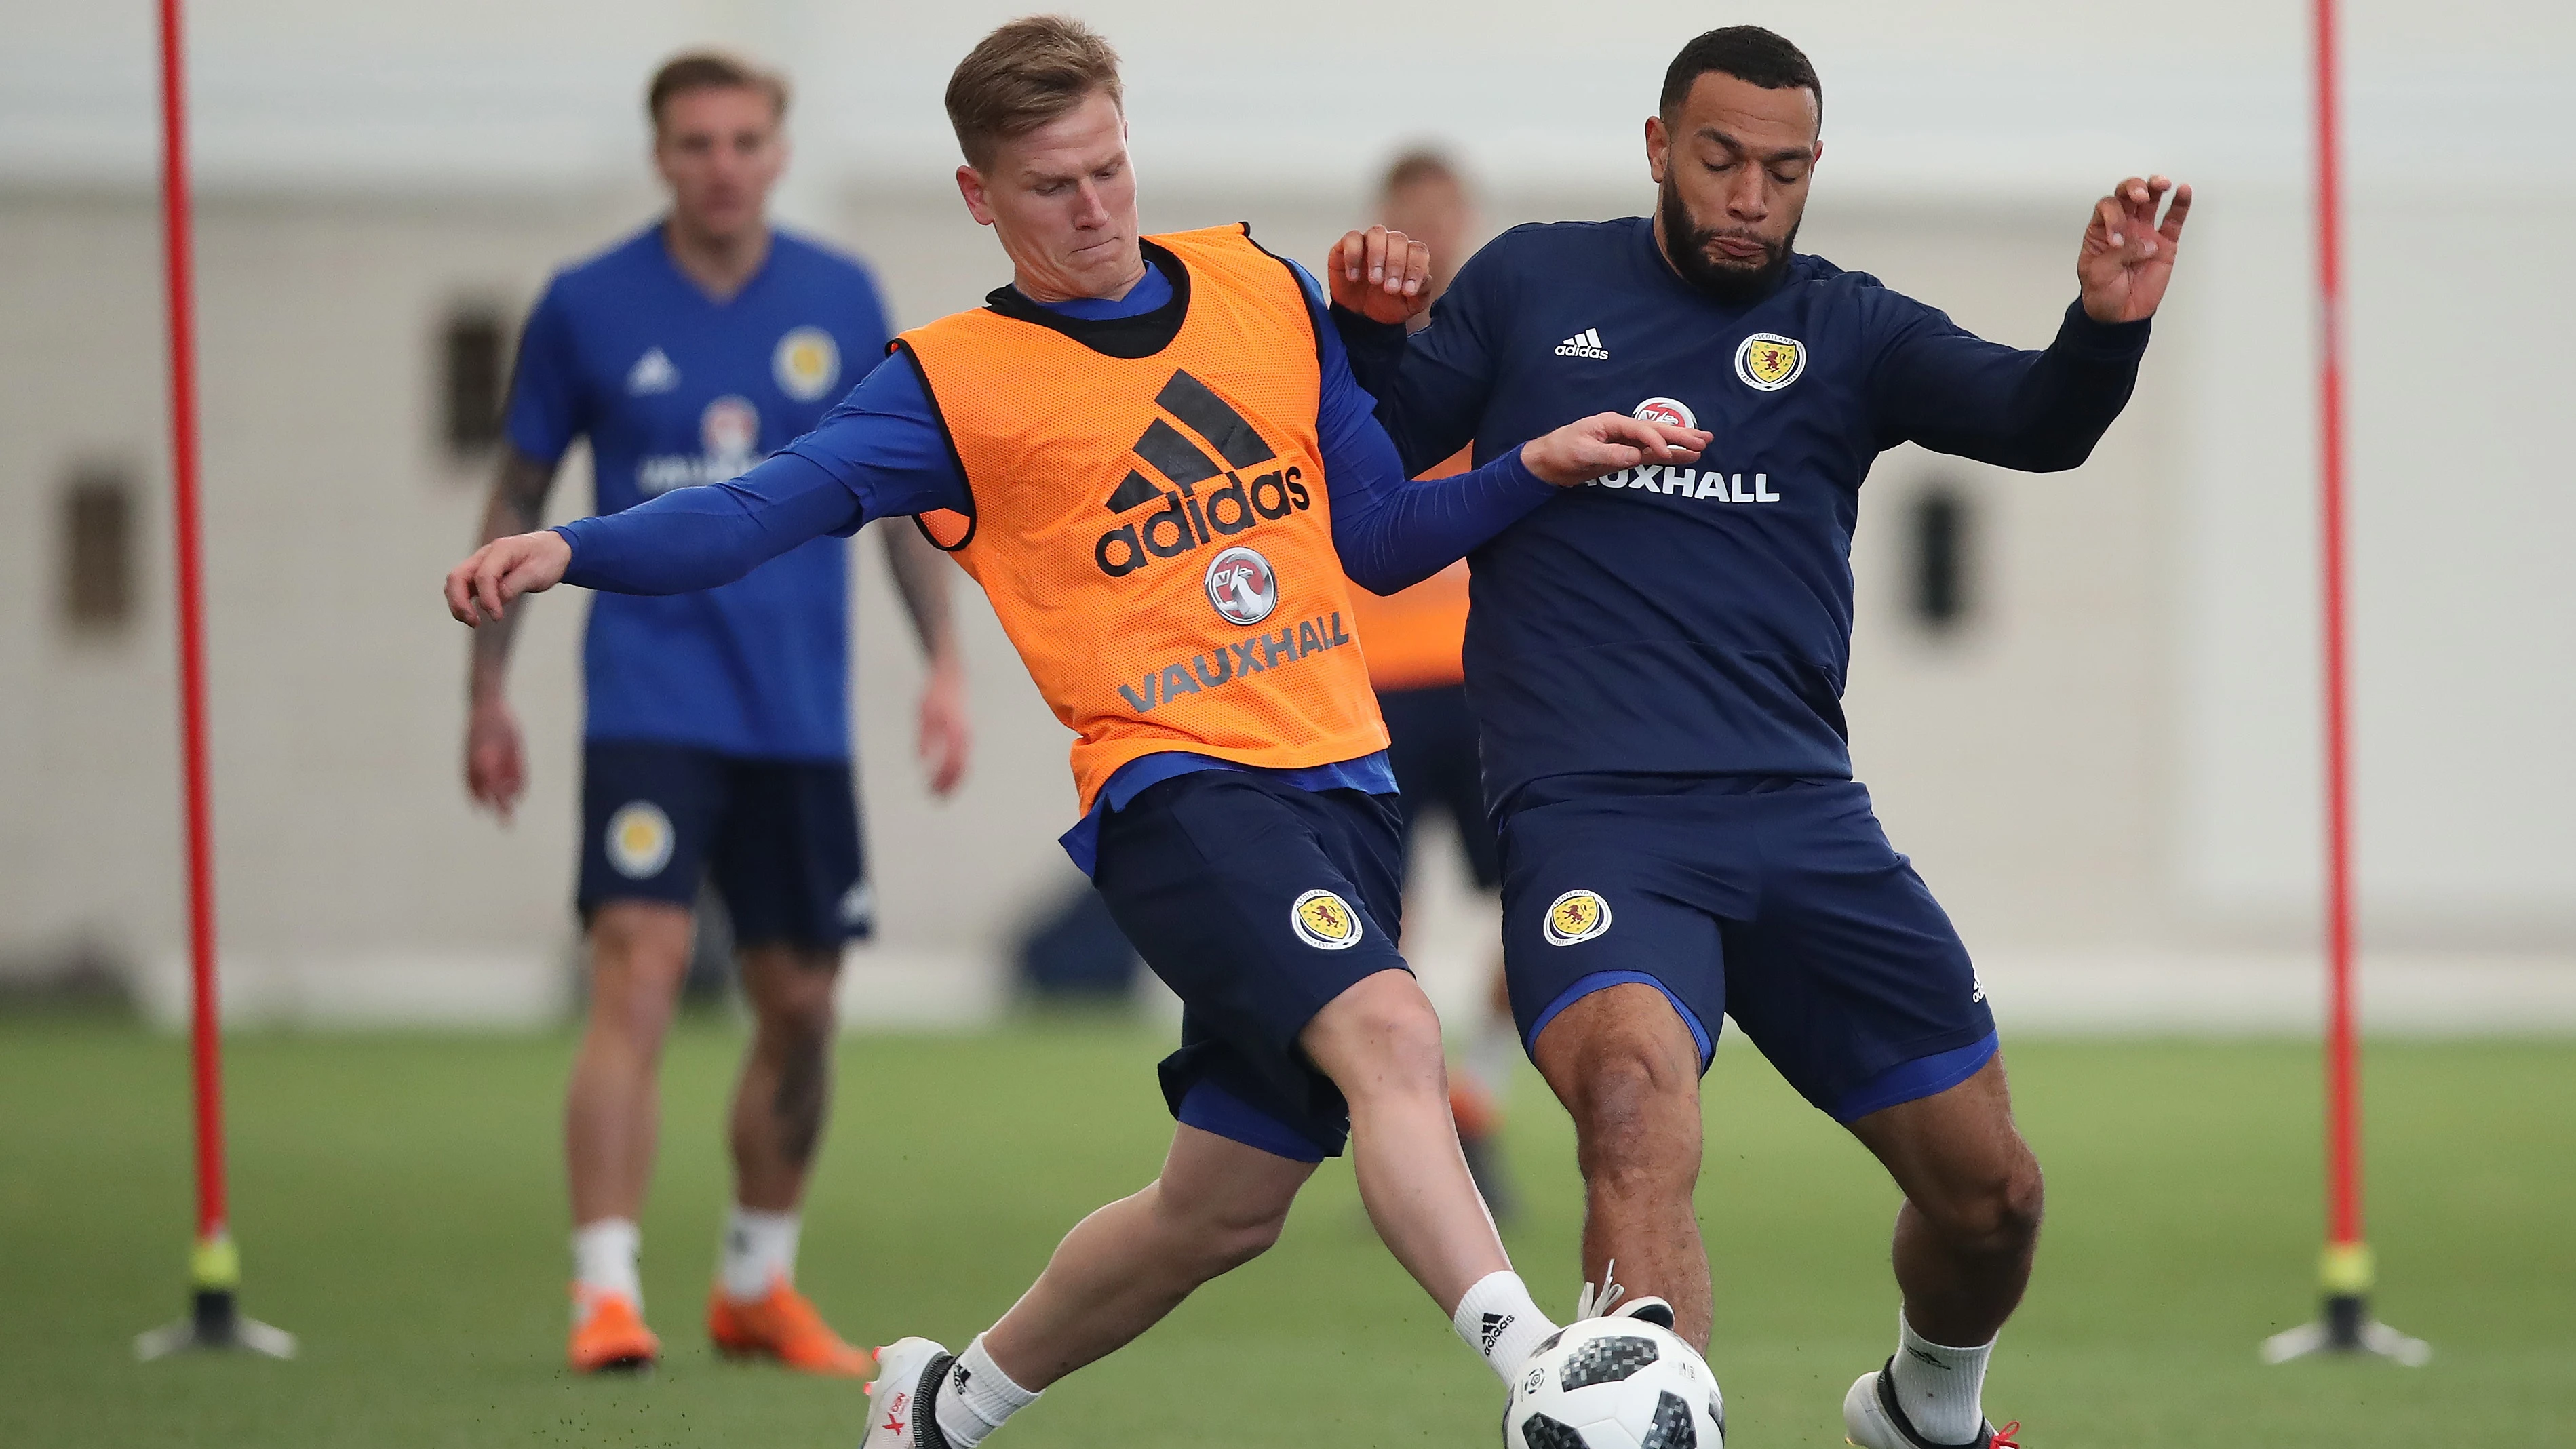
(1150, 453)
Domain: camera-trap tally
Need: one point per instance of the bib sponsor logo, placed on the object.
(1237, 497)
(1769, 362)
(806, 363)
(639, 840)
(1575, 916)
(1242, 587)
(1325, 921)
(1235, 661)
(1672, 412)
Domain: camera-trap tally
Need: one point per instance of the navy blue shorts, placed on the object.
(1257, 903)
(1778, 902)
(780, 837)
(1431, 737)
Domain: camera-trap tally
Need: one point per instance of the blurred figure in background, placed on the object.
(1413, 641)
(717, 741)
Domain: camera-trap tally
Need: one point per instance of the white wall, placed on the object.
(2121, 759)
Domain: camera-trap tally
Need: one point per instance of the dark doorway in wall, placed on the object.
(1941, 557)
(96, 551)
(474, 342)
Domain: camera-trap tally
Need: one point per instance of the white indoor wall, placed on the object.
(2150, 784)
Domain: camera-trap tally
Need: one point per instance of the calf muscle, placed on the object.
(1626, 1068)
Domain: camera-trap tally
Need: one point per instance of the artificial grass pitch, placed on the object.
(399, 1206)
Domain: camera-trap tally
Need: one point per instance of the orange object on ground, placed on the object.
(1473, 1109)
(1150, 516)
(1415, 639)
(783, 1324)
(609, 1333)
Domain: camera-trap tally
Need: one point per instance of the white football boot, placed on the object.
(901, 1398)
(1597, 1304)
(1874, 1420)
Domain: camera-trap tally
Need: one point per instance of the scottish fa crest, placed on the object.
(1769, 362)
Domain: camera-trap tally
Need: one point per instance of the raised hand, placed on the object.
(1605, 443)
(481, 588)
(2127, 257)
(1383, 275)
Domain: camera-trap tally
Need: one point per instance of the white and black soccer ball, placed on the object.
(1615, 1383)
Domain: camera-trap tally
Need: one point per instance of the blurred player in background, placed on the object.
(1150, 453)
(717, 741)
(1412, 640)
(1657, 665)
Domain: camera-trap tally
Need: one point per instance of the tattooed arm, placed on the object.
(496, 766)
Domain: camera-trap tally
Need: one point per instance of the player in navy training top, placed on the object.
(718, 733)
(1656, 664)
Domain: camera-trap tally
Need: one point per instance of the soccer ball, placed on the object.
(1615, 1383)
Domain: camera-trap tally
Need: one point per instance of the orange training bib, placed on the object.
(1149, 514)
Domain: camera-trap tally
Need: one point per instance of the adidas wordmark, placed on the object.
(1586, 343)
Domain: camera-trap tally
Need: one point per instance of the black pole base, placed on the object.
(214, 1324)
(2345, 1327)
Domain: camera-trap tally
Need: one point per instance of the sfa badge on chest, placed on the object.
(1768, 362)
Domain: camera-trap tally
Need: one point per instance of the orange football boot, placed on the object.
(609, 1334)
(782, 1324)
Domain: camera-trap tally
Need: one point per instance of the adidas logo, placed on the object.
(1492, 1332)
(1586, 343)
(651, 373)
(1189, 518)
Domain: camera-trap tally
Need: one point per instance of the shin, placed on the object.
(612, 1107)
(1380, 1043)
(1627, 1069)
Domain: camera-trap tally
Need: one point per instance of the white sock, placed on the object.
(759, 1248)
(1941, 1389)
(1499, 1320)
(603, 1259)
(976, 1397)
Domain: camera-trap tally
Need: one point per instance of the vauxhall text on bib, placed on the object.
(1149, 514)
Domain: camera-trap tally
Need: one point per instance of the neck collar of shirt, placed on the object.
(1139, 324)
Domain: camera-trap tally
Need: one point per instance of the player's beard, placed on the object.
(1733, 285)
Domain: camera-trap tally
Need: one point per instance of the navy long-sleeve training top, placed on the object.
(880, 454)
(1697, 620)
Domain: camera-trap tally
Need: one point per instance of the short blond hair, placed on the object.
(712, 70)
(1024, 75)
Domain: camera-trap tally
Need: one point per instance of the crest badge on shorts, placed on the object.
(806, 363)
(1325, 921)
(1768, 362)
(639, 840)
(1575, 916)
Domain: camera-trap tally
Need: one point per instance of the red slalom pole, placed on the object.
(2346, 1269)
(214, 1319)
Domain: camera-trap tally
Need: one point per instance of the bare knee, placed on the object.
(1217, 1238)
(638, 952)
(1380, 1040)
(1994, 1213)
(1631, 1083)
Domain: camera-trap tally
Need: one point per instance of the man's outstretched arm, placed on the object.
(685, 540)
(877, 455)
(1949, 390)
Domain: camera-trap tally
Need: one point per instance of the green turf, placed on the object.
(398, 1203)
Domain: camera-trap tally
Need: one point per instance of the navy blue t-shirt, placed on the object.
(1697, 620)
(674, 390)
